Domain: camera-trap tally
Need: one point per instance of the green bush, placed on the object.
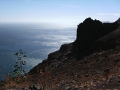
(18, 67)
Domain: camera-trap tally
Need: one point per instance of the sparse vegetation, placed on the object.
(19, 71)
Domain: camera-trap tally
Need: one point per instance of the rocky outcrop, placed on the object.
(89, 31)
(87, 42)
(99, 70)
(107, 42)
(118, 21)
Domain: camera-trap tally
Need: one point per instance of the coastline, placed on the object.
(88, 63)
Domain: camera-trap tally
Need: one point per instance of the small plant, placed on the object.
(18, 67)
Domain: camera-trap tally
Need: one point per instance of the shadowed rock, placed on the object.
(88, 32)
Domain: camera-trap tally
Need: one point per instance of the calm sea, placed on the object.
(37, 40)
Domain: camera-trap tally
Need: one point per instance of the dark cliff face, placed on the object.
(89, 31)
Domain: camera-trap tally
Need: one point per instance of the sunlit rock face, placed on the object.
(90, 30)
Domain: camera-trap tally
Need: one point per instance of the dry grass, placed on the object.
(79, 74)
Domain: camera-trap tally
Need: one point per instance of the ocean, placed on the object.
(36, 39)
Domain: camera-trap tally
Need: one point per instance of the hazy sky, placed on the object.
(68, 12)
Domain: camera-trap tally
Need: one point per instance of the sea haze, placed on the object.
(37, 40)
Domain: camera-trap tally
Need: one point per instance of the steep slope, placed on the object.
(97, 65)
(88, 32)
(91, 62)
(85, 44)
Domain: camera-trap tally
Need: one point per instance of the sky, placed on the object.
(65, 12)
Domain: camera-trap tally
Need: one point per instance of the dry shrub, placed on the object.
(18, 82)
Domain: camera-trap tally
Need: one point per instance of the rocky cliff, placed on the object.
(88, 32)
(87, 41)
(92, 61)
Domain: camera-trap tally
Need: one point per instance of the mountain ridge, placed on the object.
(90, 62)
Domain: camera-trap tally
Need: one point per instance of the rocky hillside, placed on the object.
(92, 61)
(91, 37)
(93, 58)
